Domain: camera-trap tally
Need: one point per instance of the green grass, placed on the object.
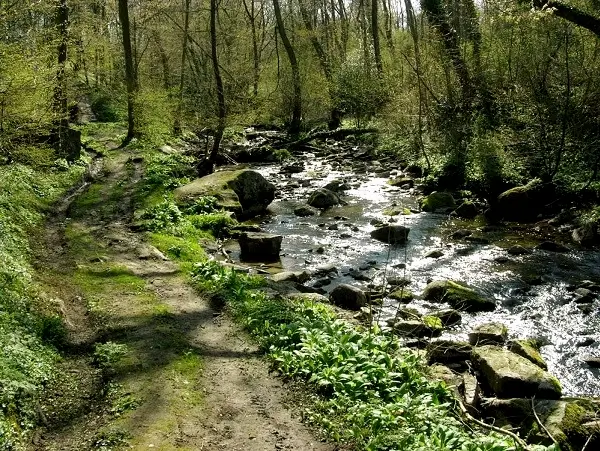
(367, 390)
(26, 319)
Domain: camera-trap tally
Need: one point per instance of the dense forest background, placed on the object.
(484, 94)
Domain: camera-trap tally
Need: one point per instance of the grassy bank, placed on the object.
(29, 325)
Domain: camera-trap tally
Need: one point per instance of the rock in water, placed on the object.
(304, 211)
(245, 192)
(530, 350)
(466, 210)
(260, 247)
(323, 198)
(521, 203)
(459, 296)
(488, 333)
(392, 234)
(438, 201)
(348, 297)
(511, 376)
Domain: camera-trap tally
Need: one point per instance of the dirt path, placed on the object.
(189, 378)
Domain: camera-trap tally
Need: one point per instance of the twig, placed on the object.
(587, 442)
(518, 440)
(539, 422)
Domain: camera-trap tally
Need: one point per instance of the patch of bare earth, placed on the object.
(191, 379)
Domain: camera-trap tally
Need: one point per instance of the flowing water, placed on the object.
(544, 310)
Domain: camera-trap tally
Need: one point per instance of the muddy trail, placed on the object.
(149, 363)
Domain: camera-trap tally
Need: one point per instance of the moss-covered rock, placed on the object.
(488, 333)
(323, 198)
(511, 376)
(528, 349)
(427, 326)
(459, 296)
(403, 295)
(445, 351)
(396, 210)
(438, 200)
(522, 203)
(401, 181)
(244, 192)
(392, 234)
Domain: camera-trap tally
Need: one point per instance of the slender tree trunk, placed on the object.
(387, 14)
(186, 21)
(297, 96)
(207, 166)
(60, 103)
(375, 35)
(251, 13)
(130, 80)
(412, 26)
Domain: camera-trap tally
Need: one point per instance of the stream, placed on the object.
(532, 292)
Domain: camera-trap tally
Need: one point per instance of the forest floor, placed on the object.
(149, 363)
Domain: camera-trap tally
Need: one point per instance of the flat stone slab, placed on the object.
(511, 376)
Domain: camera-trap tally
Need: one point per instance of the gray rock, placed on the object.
(471, 392)
(323, 198)
(448, 317)
(289, 276)
(438, 201)
(460, 234)
(417, 328)
(518, 250)
(488, 334)
(244, 192)
(459, 296)
(260, 247)
(530, 350)
(436, 253)
(392, 234)
(466, 210)
(305, 211)
(511, 376)
(592, 361)
(348, 297)
(445, 351)
(551, 246)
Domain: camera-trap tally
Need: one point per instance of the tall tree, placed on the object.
(186, 24)
(375, 35)
(130, 78)
(207, 166)
(297, 89)
(60, 90)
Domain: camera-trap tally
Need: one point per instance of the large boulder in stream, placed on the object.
(438, 200)
(323, 198)
(511, 376)
(459, 296)
(348, 297)
(522, 203)
(244, 192)
(392, 234)
(260, 247)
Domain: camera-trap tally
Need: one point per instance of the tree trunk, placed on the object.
(60, 105)
(130, 80)
(297, 96)
(186, 21)
(570, 13)
(375, 34)
(251, 13)
(207, 166)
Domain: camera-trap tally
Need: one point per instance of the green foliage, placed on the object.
(107, 107)
(166, 172)
(217, 223)
(154, 115)
(358, 92)
(161, 216)
(107, 355)
(202, 205)
(368, 390)
(26, 361)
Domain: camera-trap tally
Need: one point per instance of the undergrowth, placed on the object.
(368, 391)
(26, 322)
